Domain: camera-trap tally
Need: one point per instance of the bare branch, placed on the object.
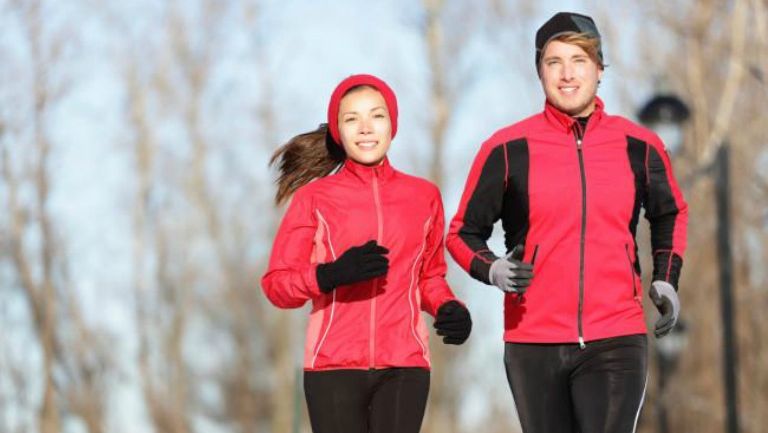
(733, 79)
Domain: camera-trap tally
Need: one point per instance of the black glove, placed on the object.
(453, 322)
(356, 264)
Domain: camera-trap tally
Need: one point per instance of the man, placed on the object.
(568, 184)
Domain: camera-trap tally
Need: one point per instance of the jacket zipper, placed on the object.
(579, 138)
(631, 272)
(375, 285)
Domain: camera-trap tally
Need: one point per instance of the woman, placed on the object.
(365, 245)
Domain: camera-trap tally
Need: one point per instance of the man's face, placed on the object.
(569, 78)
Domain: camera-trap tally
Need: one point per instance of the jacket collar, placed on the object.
(366, 173)
(564, 122)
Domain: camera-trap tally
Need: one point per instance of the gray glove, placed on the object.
(665, 298)
(510, 273)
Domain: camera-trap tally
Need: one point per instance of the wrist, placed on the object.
(325, 280)
(448, 306)
(480, 267)
(491, 268)
(663, 287)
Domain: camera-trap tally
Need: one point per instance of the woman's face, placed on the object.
(364, 126)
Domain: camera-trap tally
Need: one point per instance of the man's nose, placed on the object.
(567, 72)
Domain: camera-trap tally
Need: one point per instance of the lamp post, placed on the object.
(720, 166)
(668, 350)
(665, 114)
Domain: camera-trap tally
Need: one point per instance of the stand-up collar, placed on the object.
(564, 121)
(365, 173)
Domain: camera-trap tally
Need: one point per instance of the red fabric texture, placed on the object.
(612, 303)
(375, 323)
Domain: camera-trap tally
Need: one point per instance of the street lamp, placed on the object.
(665, 114)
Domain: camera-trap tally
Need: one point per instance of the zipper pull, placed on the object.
(582, 345)
(578, 143)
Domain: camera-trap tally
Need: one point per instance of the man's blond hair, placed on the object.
(590, 45)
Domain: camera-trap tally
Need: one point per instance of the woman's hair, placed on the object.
(585, 41)
(305, 157)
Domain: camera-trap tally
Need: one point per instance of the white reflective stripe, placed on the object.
(640, 407)
(410, 289)
(333, 296)
(327, 231)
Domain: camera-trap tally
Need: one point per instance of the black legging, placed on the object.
(391, 400)
(560, 388)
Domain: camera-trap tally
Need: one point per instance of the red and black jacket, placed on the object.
(375, 323)
(573, 198)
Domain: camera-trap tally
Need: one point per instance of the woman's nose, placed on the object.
(365, 126)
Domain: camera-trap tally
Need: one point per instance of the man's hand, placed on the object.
(510, 273)
(665, 298)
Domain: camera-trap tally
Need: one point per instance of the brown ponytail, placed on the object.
(305, 157)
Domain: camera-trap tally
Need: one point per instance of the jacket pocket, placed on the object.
(535, 252)
(631, 272)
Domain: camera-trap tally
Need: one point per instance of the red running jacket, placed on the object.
(375, 323)
(573, 199)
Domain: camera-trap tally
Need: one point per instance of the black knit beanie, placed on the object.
(563, 22)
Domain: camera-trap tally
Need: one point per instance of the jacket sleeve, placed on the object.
(480, 207)
(290, 279)
(667, 213)
(433, 286)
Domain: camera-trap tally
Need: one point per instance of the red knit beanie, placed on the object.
(354, 81)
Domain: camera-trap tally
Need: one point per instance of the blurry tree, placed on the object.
(715, 59)
(75, 364)
(444, 46)
(451, 32)
(194, 211)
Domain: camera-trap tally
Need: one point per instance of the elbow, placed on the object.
(283, 302)
(450, 242)
(277, 294)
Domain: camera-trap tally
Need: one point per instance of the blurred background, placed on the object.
(137, 211)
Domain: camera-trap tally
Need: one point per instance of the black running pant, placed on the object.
(391, 400)
(561, 388)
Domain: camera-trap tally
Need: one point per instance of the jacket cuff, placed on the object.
(667, 266)
(480, 267)
(443, 302)
(310, 282)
